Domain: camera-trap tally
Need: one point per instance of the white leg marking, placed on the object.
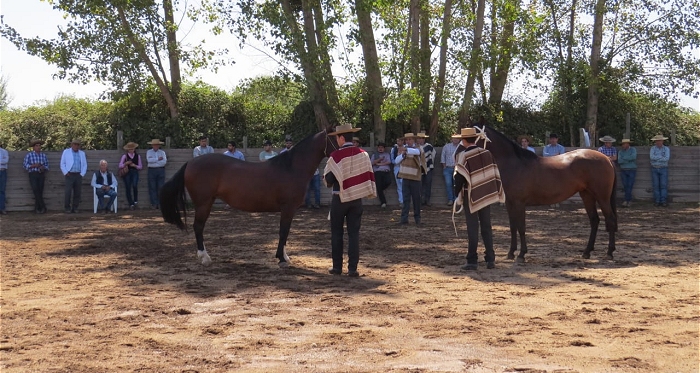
(202, 254)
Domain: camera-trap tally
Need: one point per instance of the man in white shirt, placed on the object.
(156, 171)
(105, 184)
(74, 167)
(203, 147)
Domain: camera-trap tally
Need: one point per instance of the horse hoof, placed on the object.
(283, 265)
(609, 257)
(511, 256)
(586, 255)
(206, 260)
(520, 260)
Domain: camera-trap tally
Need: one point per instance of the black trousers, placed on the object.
(350, 213)
(411, 192)
(73, 183)
(36, 181)
(427, 186)
(383, 180)
(474, 220)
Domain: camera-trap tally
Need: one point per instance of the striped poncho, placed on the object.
(483, 185)
(353, 170)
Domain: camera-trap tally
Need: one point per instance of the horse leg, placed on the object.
(610, 214)
(513, 230)
(285, 225)
(590, 205)
(519, 221)
(201, 214)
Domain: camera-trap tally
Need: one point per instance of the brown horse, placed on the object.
(531, 180)
(278, 184)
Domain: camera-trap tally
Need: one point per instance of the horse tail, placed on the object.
(173, 199)
(613, 200)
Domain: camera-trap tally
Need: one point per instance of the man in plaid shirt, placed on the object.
(36, 163)
(607, 148)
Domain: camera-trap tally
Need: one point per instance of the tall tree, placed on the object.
(442, 67)
(474, 64)
(592, 104)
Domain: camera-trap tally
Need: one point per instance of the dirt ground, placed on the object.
(125, 293)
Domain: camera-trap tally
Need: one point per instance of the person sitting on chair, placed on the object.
(105, 184)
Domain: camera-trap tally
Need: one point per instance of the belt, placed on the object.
(382, 171)
(157, 167)
(74, 173)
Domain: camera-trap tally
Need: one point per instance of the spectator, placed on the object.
(627, 159)
(659, 156)
(315, 188)
(4, 160)
(233, 152)
(349, 173)
(427, 178)
(157, 159)
(553, 148)
(412, 162)
(287, 145)
(267, 152)
(525, 141)
(447, 159)
(470, 162)
(381, 162)
(356, 142)
(74, 167)
(203, 147)
(105, 184)
(37, 164)
(399, 182)
(607, 147)
(129, 165)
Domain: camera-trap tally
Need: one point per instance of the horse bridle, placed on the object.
(328, 139)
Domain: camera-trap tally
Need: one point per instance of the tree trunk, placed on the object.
(442, 69)
(324, 57)
(141, 50)
(504, 56)
(373, 77)
(592, 105)
(173, 51)
(474, 63)
(414, 56)
(570, 71)
(425, 76)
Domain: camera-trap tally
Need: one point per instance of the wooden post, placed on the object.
(582, 137)
(371, 140)
(245, 144)
(627, 126)
(546, 138)
(673, 137)
(120, 139)
(167, 142)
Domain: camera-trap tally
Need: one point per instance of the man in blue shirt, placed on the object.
(233, 152)
(553, 148)
(447, 159)
(627, 159)
(659, 154)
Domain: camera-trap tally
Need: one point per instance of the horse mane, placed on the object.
(300, 149)
(517, 149)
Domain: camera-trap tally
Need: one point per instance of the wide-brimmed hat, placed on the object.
(356, 139)
(76, 141)
(456, 136)
(344, 128)
(625, 141)
(526, 137)
(607, 138)
(659, 137)
(409, 135)
(467, 132)
(422, 135)
(155, 142)
(130, 145)
(36, 141)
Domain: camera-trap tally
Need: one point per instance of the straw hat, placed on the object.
(36, 141)
(526, 137)
(422, 135)
(76, 141)
(356, 139)
(344, 128)
(456, 136)
(130, 146)
(409, 135)
(659, 137)
(155, 142)
(607, 138)
(625, 141)
(468, 132)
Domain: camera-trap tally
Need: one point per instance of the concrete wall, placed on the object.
(684, 178)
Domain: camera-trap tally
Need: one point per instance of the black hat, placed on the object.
(267, 142)
(553, 136)
(232, 143)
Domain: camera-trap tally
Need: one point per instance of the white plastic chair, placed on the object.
(96, 200)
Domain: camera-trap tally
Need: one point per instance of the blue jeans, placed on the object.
(447, 173)
(628, 177)
(156, 179)
(101, 193)
(131, 181)
(3, 186)
(315, 187)
(399, 184)
(659, 181)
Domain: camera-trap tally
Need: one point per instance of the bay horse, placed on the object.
(278, 184)
(531, 180)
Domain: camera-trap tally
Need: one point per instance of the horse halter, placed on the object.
(328, 140)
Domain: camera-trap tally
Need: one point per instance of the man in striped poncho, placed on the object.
(477, 179)
(349, 172)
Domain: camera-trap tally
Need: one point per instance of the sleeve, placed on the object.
(5, 157)
(666, 154)
(114, 181)
(195, 153)
(151, 156)
(94, 181)
(26, 163)
(443, 155)
(330, 179)
(122, 160)
(165, 158)
(45, 161)
(261, 157)
(139, 164)
(545, 151)
(63, 164)
(83, 166)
